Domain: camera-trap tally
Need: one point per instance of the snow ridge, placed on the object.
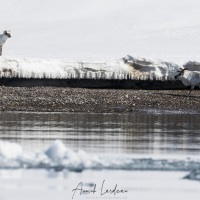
(129, 67)
(126, 68)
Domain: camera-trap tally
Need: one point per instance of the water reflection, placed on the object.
(120, 133)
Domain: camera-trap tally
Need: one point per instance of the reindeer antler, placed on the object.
(182, 69)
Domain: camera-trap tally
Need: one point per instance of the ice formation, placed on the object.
(58, 69)
(128, 67)
(194, 175)
(10, 150)
(58, 157)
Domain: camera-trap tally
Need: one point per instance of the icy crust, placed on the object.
(58, 157)
(157, 67)
(128, 67)
(58, 69)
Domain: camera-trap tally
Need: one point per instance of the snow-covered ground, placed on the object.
(158, 29)
(126, 68)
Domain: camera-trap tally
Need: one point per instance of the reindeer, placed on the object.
(3, 38)
(189, 78)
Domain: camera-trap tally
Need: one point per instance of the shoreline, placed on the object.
(79, 100)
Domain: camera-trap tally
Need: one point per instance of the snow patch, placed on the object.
(155, 67)
(192, 66)
(59, 69)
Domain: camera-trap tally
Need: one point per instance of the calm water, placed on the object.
(104, 133)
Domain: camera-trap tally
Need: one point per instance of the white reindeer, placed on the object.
(189, 78)
(3, 38)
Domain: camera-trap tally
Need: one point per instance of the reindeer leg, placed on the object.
(192, 88)
(0, 50)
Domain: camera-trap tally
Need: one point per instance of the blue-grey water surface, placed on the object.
(105, 133)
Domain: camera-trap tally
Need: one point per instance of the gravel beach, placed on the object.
(60, 99)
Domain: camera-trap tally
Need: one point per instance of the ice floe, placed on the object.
(59, 157)
(193, 175)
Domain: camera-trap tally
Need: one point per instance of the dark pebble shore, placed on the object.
(60, 99)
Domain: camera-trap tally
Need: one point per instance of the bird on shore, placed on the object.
(3, 37)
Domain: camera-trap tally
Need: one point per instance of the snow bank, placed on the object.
(49, 68)
(192, 66)
(158, 68)
(58, 157)
(126, 68)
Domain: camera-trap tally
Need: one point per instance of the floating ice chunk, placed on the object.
(56, 151)
(194, 175)
(10, 150)
(58, 157)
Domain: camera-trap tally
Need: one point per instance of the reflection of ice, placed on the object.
(58, 157)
